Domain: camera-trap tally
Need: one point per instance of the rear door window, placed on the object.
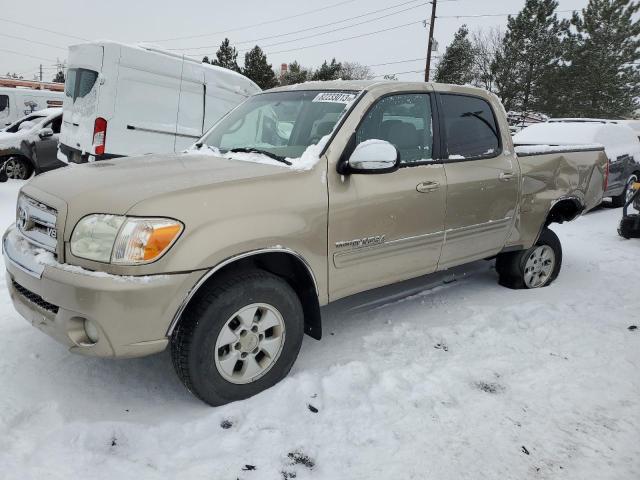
(79, 82)
(470, 127)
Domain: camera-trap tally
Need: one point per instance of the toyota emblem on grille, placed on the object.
(23, 218)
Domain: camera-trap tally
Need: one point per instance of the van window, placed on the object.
(403, 120)
(70, 83)
(4, 106)
(79, 82)
(470, 127)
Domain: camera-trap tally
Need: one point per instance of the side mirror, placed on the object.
(46, 133)
(374, 156)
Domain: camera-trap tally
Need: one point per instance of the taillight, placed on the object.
(99, 135)
(606, 176)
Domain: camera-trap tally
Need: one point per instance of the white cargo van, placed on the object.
(15, 103)
(123, 100)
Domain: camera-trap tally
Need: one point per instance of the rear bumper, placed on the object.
(131, 314)
(68, 154)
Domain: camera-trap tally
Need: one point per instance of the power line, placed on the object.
(346, 38)
(496, 14)
(42, 29)
(255, 24)
(25, 55)
(334, 30)
(32, 41)
(421, 59)
(320, 26)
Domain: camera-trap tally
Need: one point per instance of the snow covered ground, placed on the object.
(466, 381)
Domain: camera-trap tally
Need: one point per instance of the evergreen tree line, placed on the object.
(257, 68)
(588, 66)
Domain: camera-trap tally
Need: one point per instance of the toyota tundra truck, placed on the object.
(300, 196)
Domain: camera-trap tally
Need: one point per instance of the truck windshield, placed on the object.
(79, 82)
(282, 124)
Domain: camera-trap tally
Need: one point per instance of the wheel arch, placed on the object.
(283, 262)
(563, 210)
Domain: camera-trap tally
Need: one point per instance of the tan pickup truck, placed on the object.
(300, 196)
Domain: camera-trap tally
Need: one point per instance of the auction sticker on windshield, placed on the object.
(335, 97)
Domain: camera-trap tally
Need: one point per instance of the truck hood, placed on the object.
(115, 186)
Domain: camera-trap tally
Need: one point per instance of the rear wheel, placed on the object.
(18, 168)
(239, 337)
(533, 268)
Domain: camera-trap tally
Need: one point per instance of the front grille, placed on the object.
(37, 222)
(35, 298)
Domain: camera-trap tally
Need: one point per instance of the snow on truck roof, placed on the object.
(361, 85)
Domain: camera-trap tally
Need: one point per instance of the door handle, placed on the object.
(506, 176)
(426, 187)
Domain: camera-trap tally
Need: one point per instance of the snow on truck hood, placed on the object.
(121, 183)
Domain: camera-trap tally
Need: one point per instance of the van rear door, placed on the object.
(81, 96)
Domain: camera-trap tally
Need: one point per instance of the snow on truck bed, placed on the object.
(544, 149)
(467, 380)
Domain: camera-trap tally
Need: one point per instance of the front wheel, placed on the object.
(533, 268)
(240, 337)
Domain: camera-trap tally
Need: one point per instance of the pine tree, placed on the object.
(328, 71)
(258, 69)
(456, 65)
(603, 50)
(530, 63)
(227, 56)
(205, 59)
(295, 74)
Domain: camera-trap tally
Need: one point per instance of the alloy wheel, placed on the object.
(539, 266)
(15, 169)
(249, 344)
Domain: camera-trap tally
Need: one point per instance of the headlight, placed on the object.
(122, 240)
(94, 236)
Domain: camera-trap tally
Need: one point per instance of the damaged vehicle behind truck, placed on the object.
(300, 196)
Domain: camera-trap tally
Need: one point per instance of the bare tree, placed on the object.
(486, 46)
(355, 71)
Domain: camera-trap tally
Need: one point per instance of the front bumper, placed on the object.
(131, 314)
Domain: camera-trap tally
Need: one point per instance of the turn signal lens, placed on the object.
(143, 240)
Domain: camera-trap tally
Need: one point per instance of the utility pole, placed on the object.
(40, 72)
(430, 45)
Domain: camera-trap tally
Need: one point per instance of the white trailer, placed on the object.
(123, 100)
(16, 102)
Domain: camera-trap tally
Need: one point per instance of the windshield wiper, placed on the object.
(262, 152)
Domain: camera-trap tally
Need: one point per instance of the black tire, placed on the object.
(18, 168)
(511, 266)
(193, 343)
(621, 199)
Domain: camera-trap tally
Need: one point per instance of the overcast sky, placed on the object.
(247, 22)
